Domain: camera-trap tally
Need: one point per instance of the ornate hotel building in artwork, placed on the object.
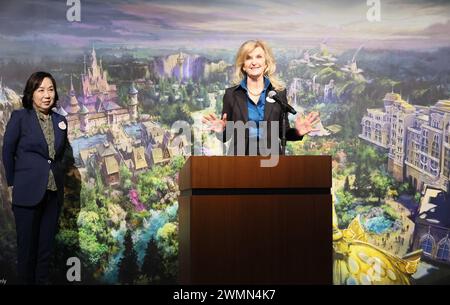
(417, 139)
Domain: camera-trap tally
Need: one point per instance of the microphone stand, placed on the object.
(285, 108)
(283, 130)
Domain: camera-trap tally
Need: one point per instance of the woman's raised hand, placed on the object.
(214, 123)
(305, 125)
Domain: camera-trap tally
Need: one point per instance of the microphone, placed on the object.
(272, 97)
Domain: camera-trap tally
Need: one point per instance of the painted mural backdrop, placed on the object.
(378, 72)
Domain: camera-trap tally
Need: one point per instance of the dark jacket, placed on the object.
(235, 106)
(26, 157)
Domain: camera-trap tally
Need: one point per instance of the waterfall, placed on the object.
(188, 67)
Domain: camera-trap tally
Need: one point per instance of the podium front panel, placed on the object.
(255, 239)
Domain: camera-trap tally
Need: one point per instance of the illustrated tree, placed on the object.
(92, 251)
(184, 94)
(123, 95)
(128, 267)
(367, 160)
(204, 95)
(362, 180)
(344, 207)
(152, 267)
(148, 185)
(176, 163)
(125, 177)
(347, 185)
(190, 88)
(88, 197)
(98, 181)
(167, 238)
(380, 184)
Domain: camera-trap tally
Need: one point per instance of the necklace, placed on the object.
(254, 93)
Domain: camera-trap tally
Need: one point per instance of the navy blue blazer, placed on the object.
(26, 157)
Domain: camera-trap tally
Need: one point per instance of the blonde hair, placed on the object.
(269, 72)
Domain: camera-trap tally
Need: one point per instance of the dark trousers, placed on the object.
(36, 229)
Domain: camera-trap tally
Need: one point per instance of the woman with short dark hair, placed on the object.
(34, 145)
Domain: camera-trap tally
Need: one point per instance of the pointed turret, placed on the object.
(132, 94)
(72, 90)
(84, 110)
(84, 119)
(74, 106)
(133, 101)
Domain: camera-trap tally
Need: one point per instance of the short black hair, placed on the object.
(33, 83)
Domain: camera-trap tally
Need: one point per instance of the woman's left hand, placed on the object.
(304, 125)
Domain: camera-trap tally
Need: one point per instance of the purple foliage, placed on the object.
(134, 197)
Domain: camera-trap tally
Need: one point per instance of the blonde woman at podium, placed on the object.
(255, 104)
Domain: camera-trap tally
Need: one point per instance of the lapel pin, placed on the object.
(270, 100)
(62, 125)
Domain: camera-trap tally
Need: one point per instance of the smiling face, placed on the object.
(44, 96)
(255, 63)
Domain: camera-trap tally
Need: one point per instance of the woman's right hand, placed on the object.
(214, 123)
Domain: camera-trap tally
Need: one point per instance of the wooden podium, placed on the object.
(240, 223)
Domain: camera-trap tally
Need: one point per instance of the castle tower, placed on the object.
(73, 107)
(94, 66)
(133, 102)
(84, 119)
(95, 81)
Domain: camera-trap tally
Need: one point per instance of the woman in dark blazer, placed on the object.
(34, 146)
(249, 102)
